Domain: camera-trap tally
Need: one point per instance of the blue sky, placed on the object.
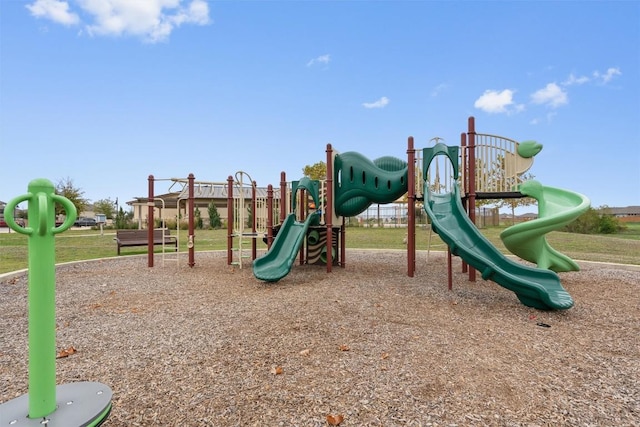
(106, 92)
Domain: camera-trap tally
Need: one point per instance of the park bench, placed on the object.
(141, 238)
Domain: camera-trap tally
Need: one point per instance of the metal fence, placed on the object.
(395, 215)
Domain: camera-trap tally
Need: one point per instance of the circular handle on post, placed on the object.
(42, 214)
(8, 214)
(70, 211)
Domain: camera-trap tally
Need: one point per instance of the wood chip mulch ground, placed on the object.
(365, 345)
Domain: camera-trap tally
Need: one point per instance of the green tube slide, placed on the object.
(314, 237)
(359, 182)
(323, 254)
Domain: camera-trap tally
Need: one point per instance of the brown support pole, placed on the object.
(411, 215)
(343, 246)
(464, 170)
(150, 223)
(269, 216)
(191, 242)
(229, 220)
(302, 205)
(283, 196)
(449, 269)
(254, 221)
(472, 181)
(329, 214)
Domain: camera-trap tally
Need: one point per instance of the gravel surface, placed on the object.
(362, 346)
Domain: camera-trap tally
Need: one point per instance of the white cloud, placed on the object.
(151, 20)
(551, 95)
(439, 89)
(573, 80)
(608, 75)
(492, 101)
(548, 118)
(322, 59)
(380, 103)
(57, 11)
(604, 78)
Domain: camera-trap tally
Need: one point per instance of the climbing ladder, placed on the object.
(173, 256)
(244, 234)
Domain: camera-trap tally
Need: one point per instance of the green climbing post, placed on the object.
(41, 199)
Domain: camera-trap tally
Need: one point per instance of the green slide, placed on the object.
(277, 263)
(534, 287)
(556, 208)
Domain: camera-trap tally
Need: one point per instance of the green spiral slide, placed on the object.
(556, 208)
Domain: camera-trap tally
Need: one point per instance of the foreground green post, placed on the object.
(77, 403)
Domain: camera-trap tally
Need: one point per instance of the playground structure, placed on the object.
(75, 404)
(482, 167)
(312, 213)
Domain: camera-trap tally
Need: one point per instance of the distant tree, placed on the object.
(595, 222)
(249, 223)
(315, 171)
(198, 218)
(214, 216)
(609, 224)
(65, 188)
(106, 207)
(123, 219)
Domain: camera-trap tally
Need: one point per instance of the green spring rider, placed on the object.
(66, 405)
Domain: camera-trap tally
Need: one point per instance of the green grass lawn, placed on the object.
(74, 245)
